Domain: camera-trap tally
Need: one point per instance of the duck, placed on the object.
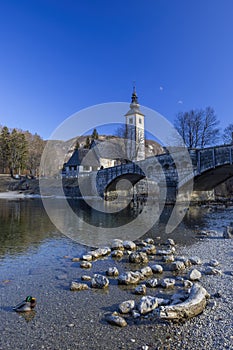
(26, 305)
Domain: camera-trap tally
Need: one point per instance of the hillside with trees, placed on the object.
(20, 152)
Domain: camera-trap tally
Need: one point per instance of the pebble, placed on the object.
(87, 257)
(126, 306)
(85, 265)
(116, 320)
(147, 304)
(75, 286)
(177, 266)
(212, 271)
(138, 257)
(213, 262)
(129, 278)
(129, 245)
(195, 260)
(112, 271)
(117, 254)
(99, 281)
(194, 275)
(146, 271)
(149, 240)
(149, 249)
(117, 244)
(168, 282)
(157, 268)
(168, 259)
(141, 290)
(86, 278)
(152, 283)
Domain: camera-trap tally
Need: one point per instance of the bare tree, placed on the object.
(198, 127)
(228, 134)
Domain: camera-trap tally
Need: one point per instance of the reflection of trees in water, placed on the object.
(22, 223)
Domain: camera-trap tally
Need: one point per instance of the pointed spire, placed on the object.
(134, 95)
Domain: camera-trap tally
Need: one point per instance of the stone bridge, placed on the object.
(207, 168)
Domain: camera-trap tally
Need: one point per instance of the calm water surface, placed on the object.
(36, 259)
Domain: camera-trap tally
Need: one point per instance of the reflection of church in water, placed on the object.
(129, 148)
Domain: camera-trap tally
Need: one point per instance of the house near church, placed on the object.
(112, 152)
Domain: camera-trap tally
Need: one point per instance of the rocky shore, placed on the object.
(123, 298)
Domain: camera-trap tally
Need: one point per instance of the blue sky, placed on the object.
(60, 56)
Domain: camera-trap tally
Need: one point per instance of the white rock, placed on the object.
(126, 306)
(129, 278)
(149, 249)
(99, 281)
(117, 254)
(194, 275)
(112, 271)
(117, 244)
(87, 257)
(141, 290)
(177, 266)
(147, 304)
(138, 258)
(86, 278)
(85, 264)
(75, 286)
(187, 284)
(168, 282)
(100, 252)
(129, 245)
(116, 320)
(146, 271)
(152, 282)
(170, 241)
(164, 252)
(149, 240)
(168, 259)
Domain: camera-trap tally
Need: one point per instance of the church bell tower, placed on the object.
(135, 130)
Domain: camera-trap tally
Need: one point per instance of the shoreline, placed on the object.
(78, 319)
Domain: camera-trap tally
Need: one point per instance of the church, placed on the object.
(129, 148)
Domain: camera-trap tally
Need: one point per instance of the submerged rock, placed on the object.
(147, 304)
(213, 262)
(126, 306)
(75, 286)
(99, 281)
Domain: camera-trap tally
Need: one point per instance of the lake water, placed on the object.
(35, 258)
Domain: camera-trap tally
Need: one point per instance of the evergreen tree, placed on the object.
(87, 143)
(4, 148)
(18, 151)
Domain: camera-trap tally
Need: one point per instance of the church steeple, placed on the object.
(135, 132)
(134, 97)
